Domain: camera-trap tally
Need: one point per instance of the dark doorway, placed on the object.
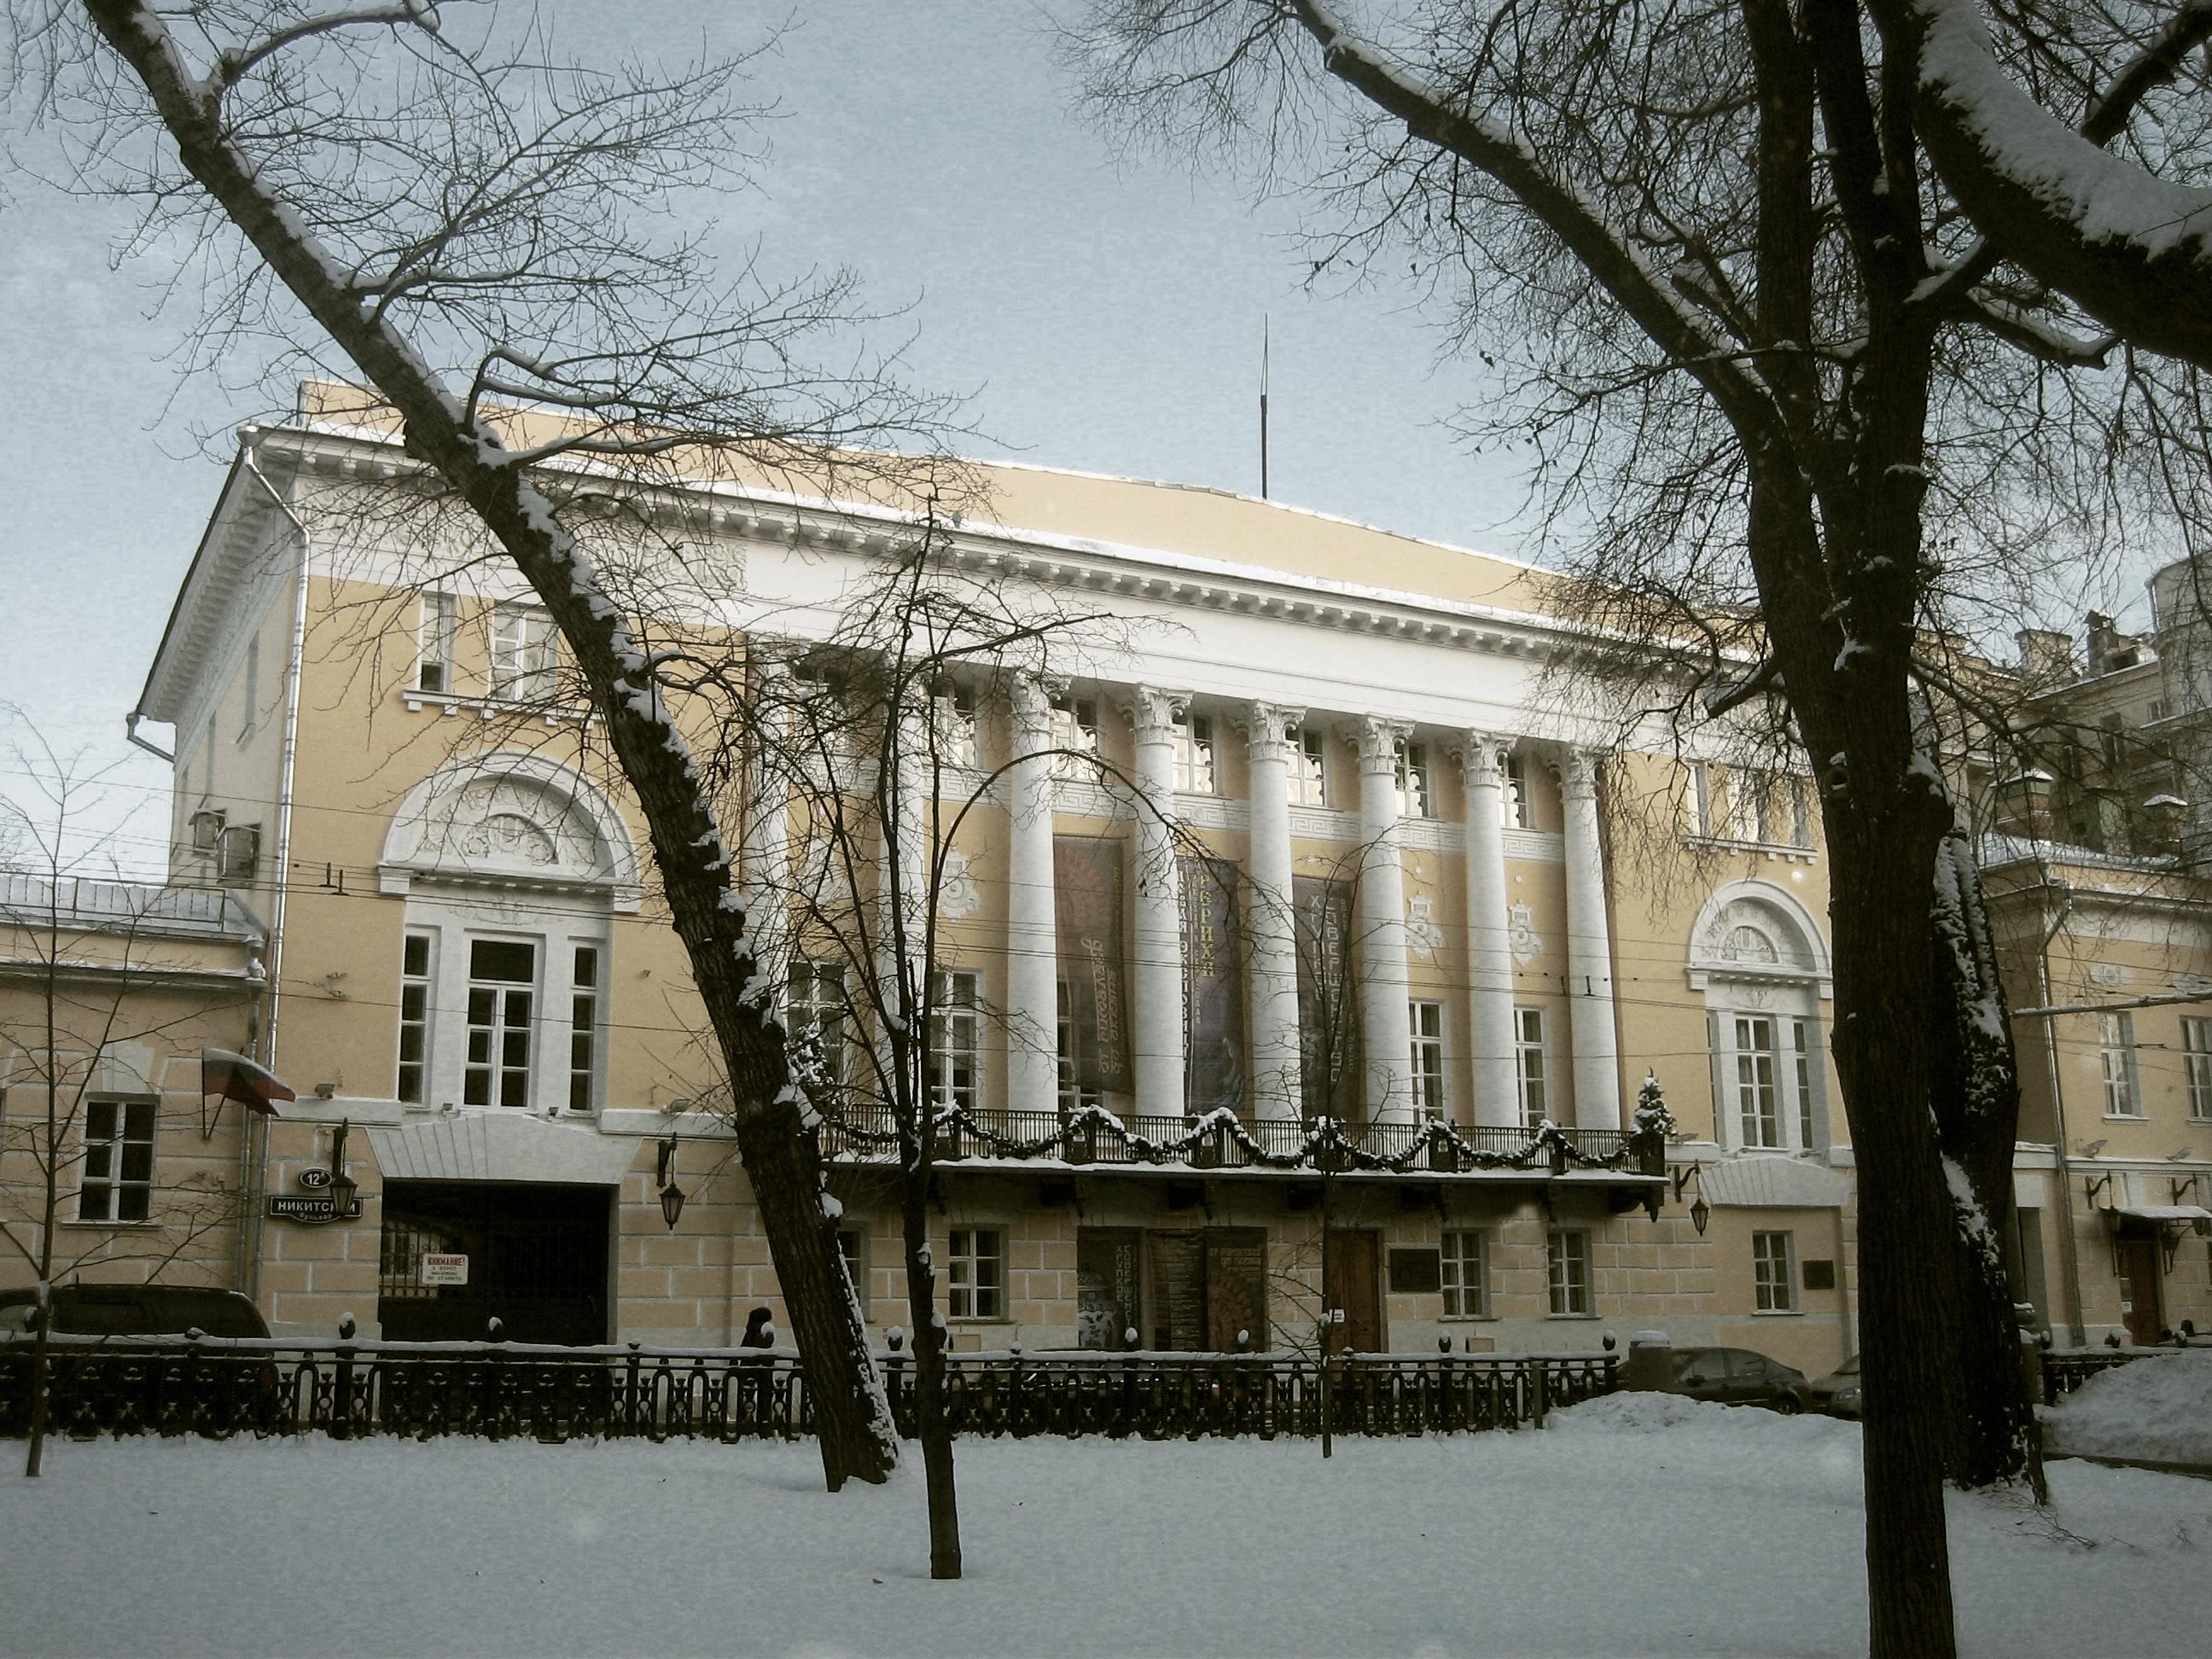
(536, 1261)
(1350, 1261)
(2140, 1273)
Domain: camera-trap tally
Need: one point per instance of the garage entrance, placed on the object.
(537, 1260)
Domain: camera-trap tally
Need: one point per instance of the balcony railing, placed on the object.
(867, 1133)
(218, 1388)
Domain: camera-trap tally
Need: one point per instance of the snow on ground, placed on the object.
(1635, 1525)
(2159, 1407)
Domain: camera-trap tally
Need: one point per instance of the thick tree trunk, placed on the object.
(41, 1390)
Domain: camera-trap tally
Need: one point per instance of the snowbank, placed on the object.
(2158, 1408)
(1688, 1418)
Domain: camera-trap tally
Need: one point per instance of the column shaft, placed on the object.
(1598, 1101)
(1032, 942)
(1269, 924)
(1157, 1063)
(1384, 1020)
(1489, 939)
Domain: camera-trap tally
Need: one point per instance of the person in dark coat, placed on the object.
(760, 1382)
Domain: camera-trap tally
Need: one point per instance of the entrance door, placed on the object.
(1350, 1263)
(536, 1261)
(2140, 1273)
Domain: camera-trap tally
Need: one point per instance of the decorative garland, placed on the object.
(1083, 1131)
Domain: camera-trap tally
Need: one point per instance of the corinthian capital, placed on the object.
(1578, 773)
(1378, 738)
(1151, 712)
(1481, 757)
(1267, 727)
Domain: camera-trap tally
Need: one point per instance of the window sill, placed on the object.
(111, 1226)
(2130, 1117)
(1471, 1319)
(1579, 1315)
(1773, 849)
(448, 702)
(1777, 1313)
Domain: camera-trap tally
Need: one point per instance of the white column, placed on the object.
(908, 834)
(1589, 950)
(1269, 927)
(1032, 940)
(765, 854)
(1387, 1031)
(1489, 939)
(1157, 1062)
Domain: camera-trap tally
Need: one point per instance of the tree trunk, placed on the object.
(41, 1389)
(932, 1418)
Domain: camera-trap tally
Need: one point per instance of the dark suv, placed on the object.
(136, 1310)
(1737, 1376)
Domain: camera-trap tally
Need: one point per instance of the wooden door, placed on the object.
(1351, 1264)
(2140, 1273)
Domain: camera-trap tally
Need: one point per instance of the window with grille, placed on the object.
(1194, 770)
(414, 1019)
(956, 1043)
(1530, 1074)
(2197, 1063)
(815, 1012)
(116, 1182)
(2116, 1049)
(1415, 798)
(1759, 1115)
(1074, 737)
(584, 1029)
(433, 644)
(1513, 800)
(975, 1272)
(1309, 769)
(524, 650)
(503, 991)
(1773, 1274)
(1466, 1276)
(1427, 1021)
(1566, 1260)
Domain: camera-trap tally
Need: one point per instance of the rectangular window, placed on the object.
(956, 1043)
(502, 982)
(1309, 770)
(1427, 1020)
(117, 1183)
(975, 1272)
(2197, 1061)
(1703, 806)
(1801, 1044)
(1466, 1276)
(1801, 814)
(1073, 1096)
(1513, 799)
(852, 1245)
(1194, 770)
(953, 709)
(414, 1018)
(1773, 1273)
(815, 1011)
(584, 1029)
(253, 711)
(2116, 1047)
(1074, 737)
(524, 649)
(1529, 1075)
(433, 644)
(1415, 798)
(1755, 807)
(1758, 1114)
(1566, 1257)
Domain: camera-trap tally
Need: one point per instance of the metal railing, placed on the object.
(218, 1388)
(2065, 1370)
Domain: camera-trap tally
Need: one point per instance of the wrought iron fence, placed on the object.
(217, 1388)
(2065, 1371)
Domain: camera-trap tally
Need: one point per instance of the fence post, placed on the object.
(1539, 1392)
(341, 1424)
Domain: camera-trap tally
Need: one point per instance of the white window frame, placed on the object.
(1756, 1086)
(815, 992)
(495, 1067)
(975, 1274)
(437, 628)
(586, 981)
(1466, 1273)
(1417, 795)
(1802, 1053)
(1426, 1022)
(954, 1063)
(417, 1009)
(1532, 1071)
(526, 652)
(1774, 1272)
(1514, 807)
(1072, 1097)
(2116, 1056)
(1309, 768)
(1197, 761)
(952, 707)
(1074, 722)
(107, 1166)
(1567, 1272)
(2196, 1064)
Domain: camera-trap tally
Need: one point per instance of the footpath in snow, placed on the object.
(1638, 1524)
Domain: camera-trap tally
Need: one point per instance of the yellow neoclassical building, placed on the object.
(1290, 843)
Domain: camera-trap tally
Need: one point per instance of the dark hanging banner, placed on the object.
(1236, 1287)
(1178, 1263)
(1086, 878)
(1108, 1280)
(1328, 1012)
(1212, 987)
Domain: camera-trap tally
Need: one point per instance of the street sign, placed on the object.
(444, 1269)
(294, 1206)
(315, 1178)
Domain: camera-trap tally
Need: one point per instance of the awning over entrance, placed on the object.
(2160, 1215)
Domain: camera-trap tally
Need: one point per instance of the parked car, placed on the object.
(136, 1310)
(1838, 1393)
(1737, 1376)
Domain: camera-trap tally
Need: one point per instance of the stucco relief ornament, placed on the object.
(507, 834)
(959, 898)
(1521, 934)
(1423, 937)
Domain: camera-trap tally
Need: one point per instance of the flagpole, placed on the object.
(1263, 406)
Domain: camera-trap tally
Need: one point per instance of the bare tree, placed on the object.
(430, 199)
(89, 979)
(1792, 424)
